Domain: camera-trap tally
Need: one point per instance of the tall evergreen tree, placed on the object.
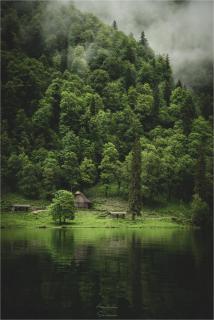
(167, 92)
(143, 39)
(135, 196)
(168, 80)
(178, 84)
(114, 25)
(156, 104)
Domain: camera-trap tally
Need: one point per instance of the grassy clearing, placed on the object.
(86, 219)
(171, 216)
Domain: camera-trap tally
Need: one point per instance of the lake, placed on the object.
(87, 273)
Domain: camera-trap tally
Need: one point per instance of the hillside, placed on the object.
(76, 92)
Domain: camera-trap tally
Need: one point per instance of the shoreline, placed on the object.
(90, 220)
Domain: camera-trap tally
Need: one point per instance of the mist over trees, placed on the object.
(75, 92)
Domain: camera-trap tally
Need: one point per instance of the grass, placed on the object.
(171, 216)
(86, 219)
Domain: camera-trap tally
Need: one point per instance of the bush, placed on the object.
(62, 206)
(200, 211)
(5, 205)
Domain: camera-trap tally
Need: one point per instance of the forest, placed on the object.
(76, 93)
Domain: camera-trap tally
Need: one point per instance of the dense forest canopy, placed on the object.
(75, 92)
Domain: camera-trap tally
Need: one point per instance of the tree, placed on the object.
(129, 75)
(200, 148)
(113, 65)
(156, 104)
(98, 80)
(144, 105)
(71, 109)
(114, 25)
(29, 177)
(112, 96)
(146, 73)
(150, 173)
(62, 206)
(143, 39)
(87, 172)
(126, 173)
(109, 165)
(79, 64)
(69, 168)
(182, 101)
(167, 75)
(178, 84)
(167, 91)
(135, 196)
(200, 211)
(51, 174)
(200, 172)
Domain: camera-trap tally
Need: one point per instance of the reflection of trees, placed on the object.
(136, 281)
(142, 273)
(62, 246)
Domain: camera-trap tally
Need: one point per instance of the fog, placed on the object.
(182, 29)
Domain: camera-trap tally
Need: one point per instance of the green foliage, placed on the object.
(143, 39)
(51, 174)
(200, 211)
(87, 172)
(62, 206)
(109, 165)
(29, 178)
(69, 168)
(75, 95)
(135, 193)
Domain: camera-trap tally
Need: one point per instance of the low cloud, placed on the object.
(182, 29)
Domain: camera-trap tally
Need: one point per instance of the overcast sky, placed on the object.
(182, 28)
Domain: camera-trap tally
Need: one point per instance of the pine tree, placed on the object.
(156, 103)
(168, 81)
(114, 25)
(143, 39)
(167, 92)
(135, 199)
(179, 84)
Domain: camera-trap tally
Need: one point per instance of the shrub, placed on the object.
(5, 205)
(200, 211)
(62, 206)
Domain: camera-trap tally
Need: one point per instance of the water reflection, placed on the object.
(96, 273)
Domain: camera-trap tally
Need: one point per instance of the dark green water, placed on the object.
(100, 273)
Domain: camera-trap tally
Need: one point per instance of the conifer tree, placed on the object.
(156, 103)
(135, 199)
(167, 92)
(168, 81)
(178, 84)
(143, 39)
(114, 25)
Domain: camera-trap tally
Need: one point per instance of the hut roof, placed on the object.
(78, 193)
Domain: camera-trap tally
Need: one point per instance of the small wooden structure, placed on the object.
(107, 312)
(81, 201)
(117, 214)
(21, 207)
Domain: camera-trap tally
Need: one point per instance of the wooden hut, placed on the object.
(21, 207)
(81, 201)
